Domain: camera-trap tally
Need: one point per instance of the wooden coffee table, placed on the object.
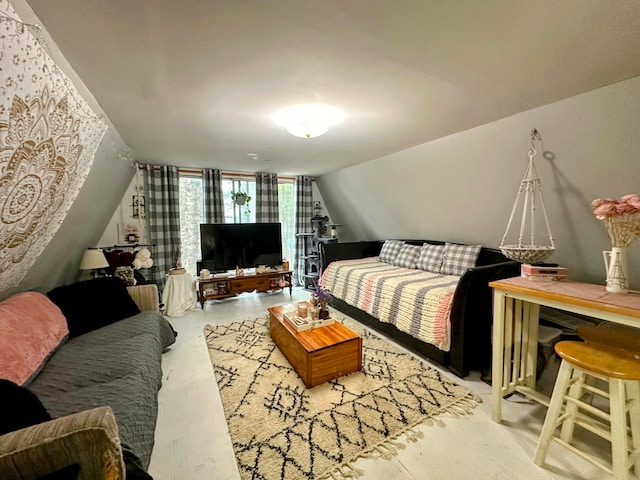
(317, 355)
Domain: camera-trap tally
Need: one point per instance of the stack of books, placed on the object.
(543, 272)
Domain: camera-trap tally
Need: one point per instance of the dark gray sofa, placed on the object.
(118, 365)
(109, 363)
(471, 308)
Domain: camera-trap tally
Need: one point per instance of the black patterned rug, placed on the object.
(282, 430)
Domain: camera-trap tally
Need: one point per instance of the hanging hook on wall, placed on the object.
(535, 135)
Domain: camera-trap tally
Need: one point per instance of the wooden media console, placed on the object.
(228, 285)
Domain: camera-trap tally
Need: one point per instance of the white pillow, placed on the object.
(408, 256)
(430, 258)
(390, 250)
(458, 258)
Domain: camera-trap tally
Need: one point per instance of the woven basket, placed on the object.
(527, 253)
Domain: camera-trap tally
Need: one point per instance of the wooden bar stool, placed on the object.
(612, 334)
(619, 336)
(620, 369)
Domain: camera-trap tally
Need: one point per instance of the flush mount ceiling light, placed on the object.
(308, 121)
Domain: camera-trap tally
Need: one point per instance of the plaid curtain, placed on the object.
(163, 208)
(213, 201)
(266, 197)
(304, 212)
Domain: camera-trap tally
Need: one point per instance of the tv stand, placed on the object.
(222, 286)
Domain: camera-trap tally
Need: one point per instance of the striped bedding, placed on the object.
(417, 302)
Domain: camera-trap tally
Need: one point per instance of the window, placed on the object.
(239, 213)
(192, 214)
(287, 214)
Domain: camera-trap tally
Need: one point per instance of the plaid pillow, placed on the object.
(390, 250)
(458, 258)
(407, 257)
(430, 258)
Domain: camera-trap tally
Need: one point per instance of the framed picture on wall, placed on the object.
(138, 206)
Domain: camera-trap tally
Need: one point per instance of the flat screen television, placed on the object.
(225, 246)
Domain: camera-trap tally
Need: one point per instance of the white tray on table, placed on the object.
(307, 323)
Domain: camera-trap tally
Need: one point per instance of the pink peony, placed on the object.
(599, 201)
(621, 217)
(605, 210)
(632, 199)
(624, 207)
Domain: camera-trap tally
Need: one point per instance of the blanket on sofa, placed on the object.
(417, 302)
(118, 365)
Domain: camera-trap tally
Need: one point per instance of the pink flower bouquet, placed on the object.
(621, 217)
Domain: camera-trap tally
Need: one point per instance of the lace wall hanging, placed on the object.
(48, 140)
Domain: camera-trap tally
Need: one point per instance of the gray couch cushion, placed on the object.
(119, 365)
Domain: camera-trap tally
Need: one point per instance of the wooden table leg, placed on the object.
(497, 362)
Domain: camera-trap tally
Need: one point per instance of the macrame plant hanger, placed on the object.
(530, 193)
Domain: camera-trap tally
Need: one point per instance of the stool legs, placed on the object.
(577, 381)
(555, 408)
(624, 396)
(633, 393)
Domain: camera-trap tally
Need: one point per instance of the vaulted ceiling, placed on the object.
(193, 83)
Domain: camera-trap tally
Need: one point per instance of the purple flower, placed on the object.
(323, 294)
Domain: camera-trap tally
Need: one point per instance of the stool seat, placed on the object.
(611, 334)
(602, 359)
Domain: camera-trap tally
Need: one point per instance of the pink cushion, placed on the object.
(31, 329)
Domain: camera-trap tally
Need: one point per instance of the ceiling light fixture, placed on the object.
(308, 121)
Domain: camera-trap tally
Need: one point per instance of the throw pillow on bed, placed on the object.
(430, 258)
(407, 257)
(390, 250)
(93, 304)
(20, 407)
(458, 258)
(32, 328)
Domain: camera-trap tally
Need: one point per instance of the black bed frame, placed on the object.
(471, 308)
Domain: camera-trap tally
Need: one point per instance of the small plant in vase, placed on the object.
(320, 298)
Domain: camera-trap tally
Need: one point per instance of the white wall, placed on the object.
(114, 233)
(462, 187)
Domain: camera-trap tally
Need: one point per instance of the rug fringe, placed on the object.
(390, 447)
(464, 406)
(344, 472)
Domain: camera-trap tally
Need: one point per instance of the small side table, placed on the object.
(179, 295)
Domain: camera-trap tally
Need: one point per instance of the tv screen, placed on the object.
(244, 245)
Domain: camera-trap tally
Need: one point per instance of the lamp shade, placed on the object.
(93, 258)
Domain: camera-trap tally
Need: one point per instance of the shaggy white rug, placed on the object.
(280, 429)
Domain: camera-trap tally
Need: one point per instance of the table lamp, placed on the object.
(93, 259)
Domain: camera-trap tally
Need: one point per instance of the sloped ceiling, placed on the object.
(193, 83)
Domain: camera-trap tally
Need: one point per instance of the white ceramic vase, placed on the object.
(615, 261)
